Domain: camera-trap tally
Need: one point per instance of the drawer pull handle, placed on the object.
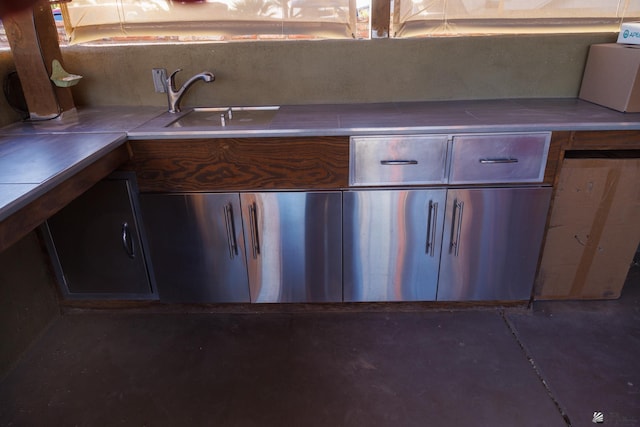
(398, 162)
(432, 221)
(127, 242)
(231, 231)
(499, 160)
(253, 224)
(456, 230)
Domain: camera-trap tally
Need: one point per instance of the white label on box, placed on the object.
(629, 33)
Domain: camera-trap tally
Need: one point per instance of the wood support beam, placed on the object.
(33, 38)
(380, 18)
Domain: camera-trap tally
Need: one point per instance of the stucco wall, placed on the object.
(339, 71)
(332, 71)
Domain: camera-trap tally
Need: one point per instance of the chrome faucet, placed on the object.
(175, 95)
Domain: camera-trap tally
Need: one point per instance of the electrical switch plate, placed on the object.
(159, 79)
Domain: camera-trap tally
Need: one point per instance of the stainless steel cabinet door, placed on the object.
(197, 246)
(491, 244)
(98, 246)
(294, 246)
(392, 242)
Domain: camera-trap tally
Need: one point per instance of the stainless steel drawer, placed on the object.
(390, 160)
(499, 158)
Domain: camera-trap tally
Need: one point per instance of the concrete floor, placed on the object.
(553, 365)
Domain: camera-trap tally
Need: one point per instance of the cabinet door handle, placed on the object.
(231, 231)
(492, 161)
(432, 221)
(456, 229)
(253, 224)
(398, 162)
(127, 242)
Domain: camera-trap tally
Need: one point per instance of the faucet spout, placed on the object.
(174, 96)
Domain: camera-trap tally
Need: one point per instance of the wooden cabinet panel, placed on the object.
(559, 140)
(240, 164)
(605, 140)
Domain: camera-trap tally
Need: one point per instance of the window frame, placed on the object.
(383, 22)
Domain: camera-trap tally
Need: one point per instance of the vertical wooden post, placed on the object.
(380, 16)
(395, 21)
(33, 38)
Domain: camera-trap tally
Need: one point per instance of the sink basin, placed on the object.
(226, 117)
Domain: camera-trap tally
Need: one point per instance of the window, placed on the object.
(458, 17)
(152, 21)
(88, 20)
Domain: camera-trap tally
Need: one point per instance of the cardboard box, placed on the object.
(611, 77)
(593, 230)
(629, 33)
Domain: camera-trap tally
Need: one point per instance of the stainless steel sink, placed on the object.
(226, 117)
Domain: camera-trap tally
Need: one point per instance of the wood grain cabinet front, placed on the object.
(227, 164)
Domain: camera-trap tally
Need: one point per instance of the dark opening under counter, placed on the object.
(39, 174)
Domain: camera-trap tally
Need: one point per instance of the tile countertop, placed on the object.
(505, 115)
(411, 117)
(87, 120)
(37, 156)
(32, 165)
